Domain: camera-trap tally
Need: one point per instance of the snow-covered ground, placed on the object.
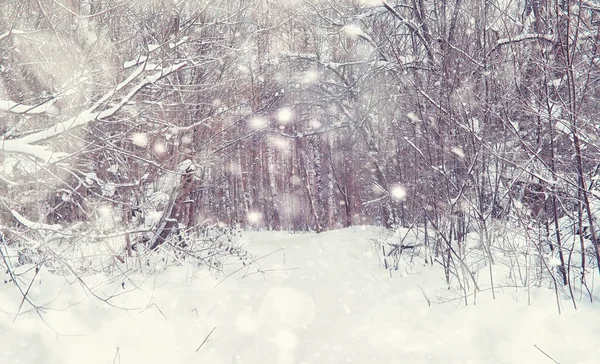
(308, 299)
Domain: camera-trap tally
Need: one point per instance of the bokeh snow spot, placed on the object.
(285, 358)
(459, 152)
(139, 139)
(246, 324)
(398, 192)
(186, 139)
(289, 306)
(311, 76)
(254, 217)
(281, 143)
(286, 340)
(413, 117)
(257, 122)
(160, 148)
(284, 115)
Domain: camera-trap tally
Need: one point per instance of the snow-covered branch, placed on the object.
(18, 108)
(522, 38)
(91, 114)
(10, 32)
(40, 152)
(27, 144)
(32, 224)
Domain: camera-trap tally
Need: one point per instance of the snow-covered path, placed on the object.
(319, 299)
(363, 316)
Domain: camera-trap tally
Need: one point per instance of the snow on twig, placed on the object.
(32, 224)
(521, 38)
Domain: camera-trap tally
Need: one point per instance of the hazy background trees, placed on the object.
(148, 117)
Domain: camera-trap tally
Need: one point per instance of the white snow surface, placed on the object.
(319, 298)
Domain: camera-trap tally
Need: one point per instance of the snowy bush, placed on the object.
(79, 255)
(398, 249)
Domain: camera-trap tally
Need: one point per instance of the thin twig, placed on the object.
(269, 270)
(26, 294)
(206, 339)
(425, 295)
(155, 306)
(543, 352)
(246, 266)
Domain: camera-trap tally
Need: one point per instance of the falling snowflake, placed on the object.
(315, 124)
(284, 115)
(186, 139)
(459, 152)
(281, 143)
(257, 122)
(398, 193)
(160, 148)
(413, 117)
(139, 139)
(310, 76)
(254, 217)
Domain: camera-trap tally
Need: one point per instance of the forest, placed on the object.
(135, 124)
